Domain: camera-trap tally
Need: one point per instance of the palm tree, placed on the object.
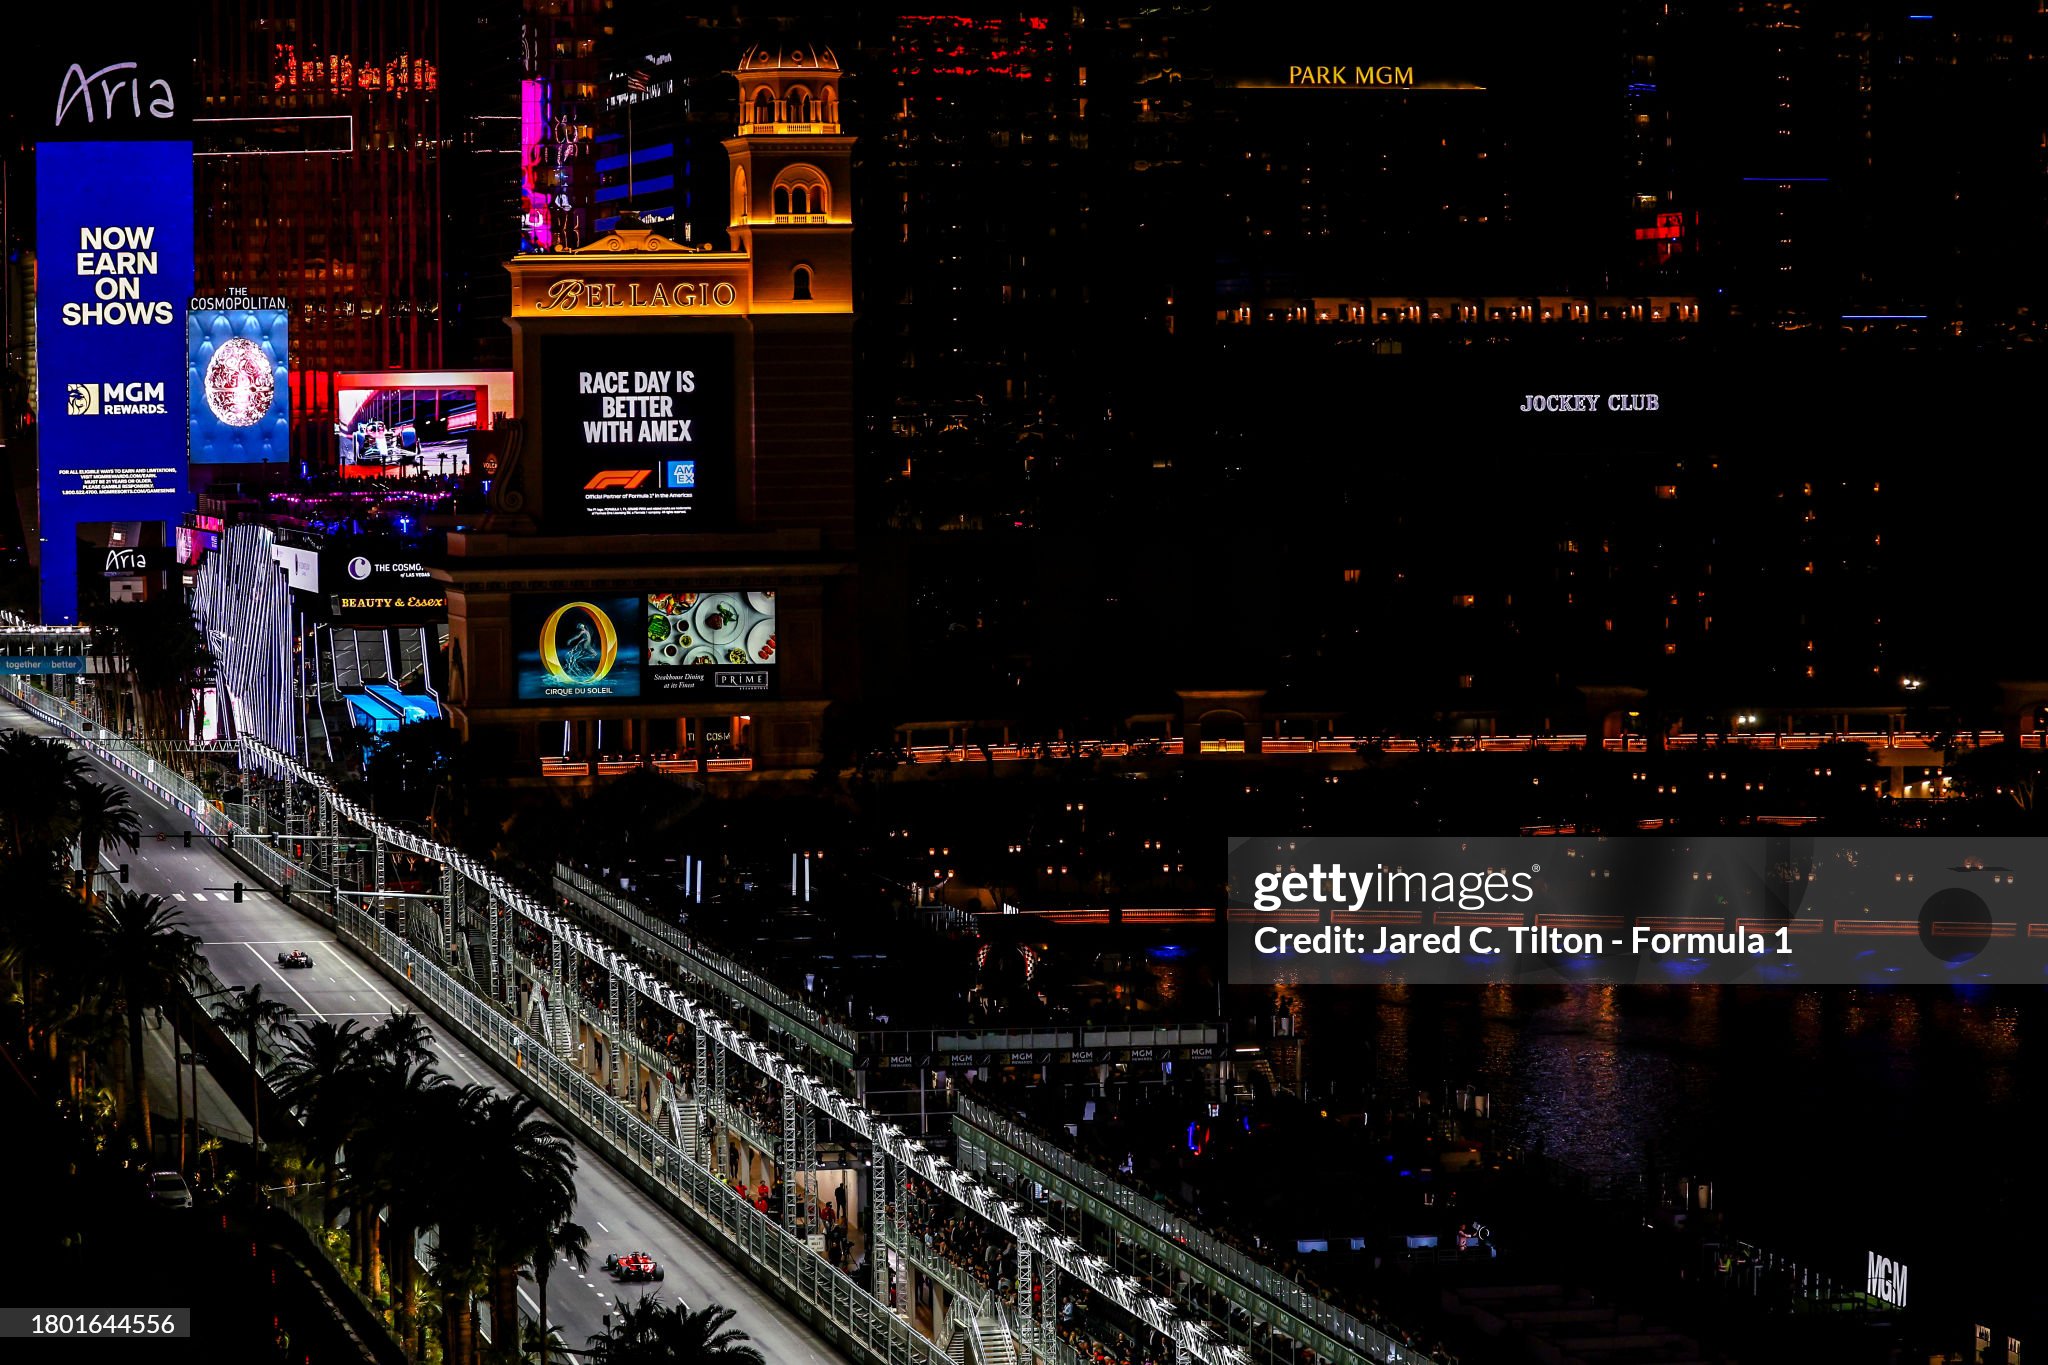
(650, 1332)
(698, 1339)
(38, 779)
(456, 1276)
(321, 1075)
(249, 1012)
(46, 950)
(632, 1332)
(145, 959)
(103, 817)
(403, 1038)
(400, 1134)
(570, 1241)
(531, 1164)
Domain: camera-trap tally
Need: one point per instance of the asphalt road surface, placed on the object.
(241, 944)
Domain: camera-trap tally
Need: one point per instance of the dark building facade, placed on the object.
(320, 159)
(667, 572)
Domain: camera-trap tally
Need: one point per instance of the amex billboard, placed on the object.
(637, 432)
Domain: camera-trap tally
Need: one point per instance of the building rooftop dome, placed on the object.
(789, 56)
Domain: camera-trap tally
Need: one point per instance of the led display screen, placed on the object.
(114, 228)
(238, 380)
(575, 649)
(713, 645)
(384, 433)
(637, 432)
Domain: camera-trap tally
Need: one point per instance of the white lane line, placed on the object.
(601, 1227)
(370, 986)
(457, 1063)
(529, 1301)
(179, 894)
(282, 977)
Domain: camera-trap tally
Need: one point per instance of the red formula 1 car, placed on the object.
(635, 1267)
(295, 958)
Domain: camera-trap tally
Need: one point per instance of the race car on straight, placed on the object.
(635, 1267)
(294, 958)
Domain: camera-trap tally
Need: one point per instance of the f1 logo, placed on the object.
(81, 400)
(618, 478)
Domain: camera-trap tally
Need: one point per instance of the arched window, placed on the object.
(803, 191)
(740, 206)
(764, 107)
(829, 106)
(800, 283)
(799, 105)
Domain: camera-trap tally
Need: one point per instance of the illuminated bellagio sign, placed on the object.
(628, 284)
(613, 296)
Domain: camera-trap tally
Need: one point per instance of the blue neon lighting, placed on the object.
(648, 186)
(656, 153)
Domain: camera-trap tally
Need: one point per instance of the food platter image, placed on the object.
(709, 629)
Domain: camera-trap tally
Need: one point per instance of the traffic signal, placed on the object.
(124, 874)
(238, 893)
(188, 838)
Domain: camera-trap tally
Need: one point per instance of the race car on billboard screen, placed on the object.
(386, 443)
(635, 1267)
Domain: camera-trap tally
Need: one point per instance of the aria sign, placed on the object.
(1885, 1280)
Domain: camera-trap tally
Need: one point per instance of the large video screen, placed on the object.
(578, 649)
(405, 432)
(114, 273)
(638, 432)
(238, 380)
(711, 644)
(681, 644)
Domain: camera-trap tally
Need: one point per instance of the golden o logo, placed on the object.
(589, 652)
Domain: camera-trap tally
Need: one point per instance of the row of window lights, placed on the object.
(1527, 312)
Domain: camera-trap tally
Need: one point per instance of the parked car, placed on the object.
(168, 1190)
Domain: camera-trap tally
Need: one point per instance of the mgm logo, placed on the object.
(81, 400)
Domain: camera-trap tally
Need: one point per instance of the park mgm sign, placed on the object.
(1324, 77)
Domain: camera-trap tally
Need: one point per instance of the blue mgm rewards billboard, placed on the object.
(114, 246)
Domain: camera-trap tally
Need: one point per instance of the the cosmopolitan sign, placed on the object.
(114, 244)
(1885, 1280)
